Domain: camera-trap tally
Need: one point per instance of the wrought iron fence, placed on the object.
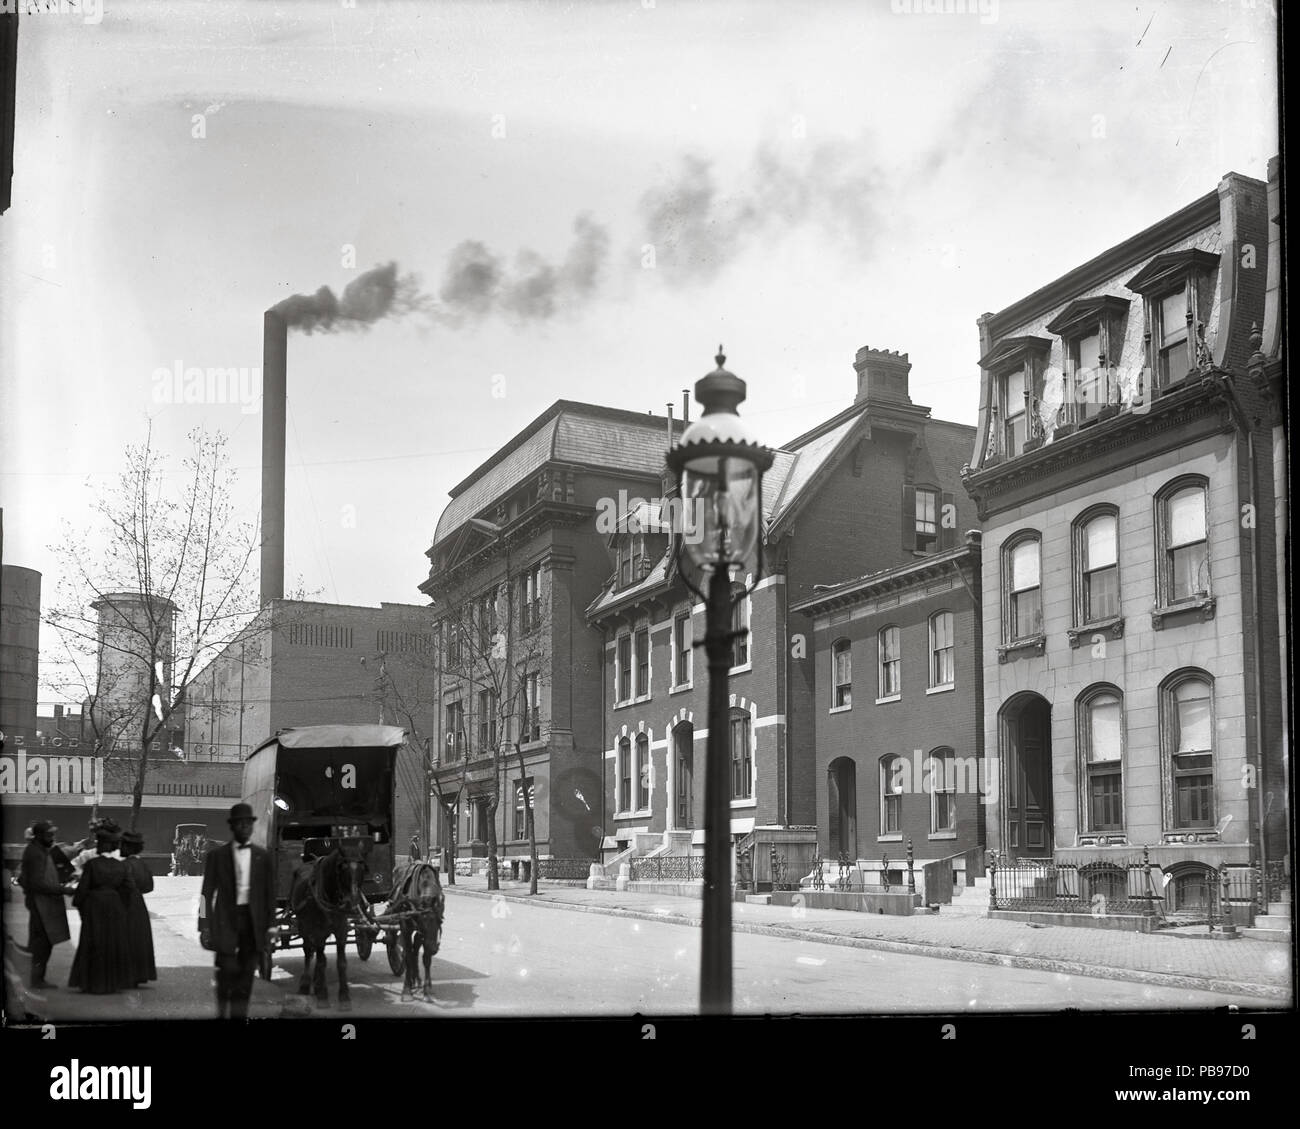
(1099, 888)
(564, 868)
(668, 868)
(1274, 882)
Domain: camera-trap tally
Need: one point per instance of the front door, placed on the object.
(1029, 781)
(842, 805)
(684, 742)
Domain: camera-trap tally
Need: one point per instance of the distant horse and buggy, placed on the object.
(324, 796)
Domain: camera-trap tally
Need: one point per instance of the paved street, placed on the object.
(577, 952)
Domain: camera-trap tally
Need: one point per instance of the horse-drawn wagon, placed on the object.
(324, 797)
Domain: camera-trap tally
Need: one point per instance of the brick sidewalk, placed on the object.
(1242, 967)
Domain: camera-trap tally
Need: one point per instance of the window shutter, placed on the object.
(947, 533)
(909, 518)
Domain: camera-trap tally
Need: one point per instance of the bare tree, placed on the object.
(154, 594)
(407, 689)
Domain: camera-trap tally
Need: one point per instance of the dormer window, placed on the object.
(1014, 412)
(1089, 373)
(1088, 328)
(1178, 289)
(1015, 364)
(1173, 337)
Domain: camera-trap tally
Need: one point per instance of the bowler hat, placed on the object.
(241, 811)
(41, 826)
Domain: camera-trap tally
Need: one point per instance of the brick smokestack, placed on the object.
(882, 376)
(275, 347)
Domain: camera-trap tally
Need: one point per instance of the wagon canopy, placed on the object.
(335, 737)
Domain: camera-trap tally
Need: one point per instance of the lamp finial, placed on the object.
(721, 358)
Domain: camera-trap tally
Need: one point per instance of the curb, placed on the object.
(921, 948)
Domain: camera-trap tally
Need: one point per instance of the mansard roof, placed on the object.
(587, 435)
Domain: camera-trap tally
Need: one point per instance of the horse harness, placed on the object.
(313, 881)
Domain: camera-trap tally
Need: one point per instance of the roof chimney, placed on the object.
(882, 376)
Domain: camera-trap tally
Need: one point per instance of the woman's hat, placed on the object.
(133, 837)
(241, 811)
(41, 826)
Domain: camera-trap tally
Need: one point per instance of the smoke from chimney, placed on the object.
(477, 283)
(378, 293)
(697, 230)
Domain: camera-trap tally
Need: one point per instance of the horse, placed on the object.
(324, 894)
(418, 897)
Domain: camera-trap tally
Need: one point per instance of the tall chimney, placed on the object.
(275, 346)
(686, 406)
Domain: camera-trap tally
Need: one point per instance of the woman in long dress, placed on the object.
(103, 961)
(139, 931)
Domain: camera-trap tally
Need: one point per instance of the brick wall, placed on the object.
(911, 727)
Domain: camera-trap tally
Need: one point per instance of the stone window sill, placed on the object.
(891, 698)
(1114, 627)
(840, 709)
(1104, 839)
(1172, 615)
(944, 689)
(1033, 644)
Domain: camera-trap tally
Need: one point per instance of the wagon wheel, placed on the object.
(396, 956)
(365, 942)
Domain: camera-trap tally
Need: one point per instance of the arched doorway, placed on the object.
(684, 770)
(1026, 741)
(842, 806)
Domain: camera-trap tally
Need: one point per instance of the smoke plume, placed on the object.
(478, 283)
(697, 231)
(378, 293)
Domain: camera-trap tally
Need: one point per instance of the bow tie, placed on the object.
(243, 846)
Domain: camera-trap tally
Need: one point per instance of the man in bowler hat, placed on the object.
(239, 912)
(43, 894)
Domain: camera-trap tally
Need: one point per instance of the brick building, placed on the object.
(303, 662)
(1133, 690)
(898, 736)
(834, 502)
(517, 555)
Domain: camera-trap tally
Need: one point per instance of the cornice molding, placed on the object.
(1120, 441)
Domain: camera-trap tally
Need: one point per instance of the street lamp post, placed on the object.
(719, 468)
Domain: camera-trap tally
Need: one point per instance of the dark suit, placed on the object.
(238, 933)
(48, 916)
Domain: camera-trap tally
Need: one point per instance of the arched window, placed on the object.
(642, 772)
(1021, 589)
(890, 647)
(1187, 737)
(1182, 540)
(1096, 565)
(625, 775)
(1103, 883)
(891, 795)
(942, 672)
(842, 674)
(1099, 721)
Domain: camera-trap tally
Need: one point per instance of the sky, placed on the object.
(582, 201)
